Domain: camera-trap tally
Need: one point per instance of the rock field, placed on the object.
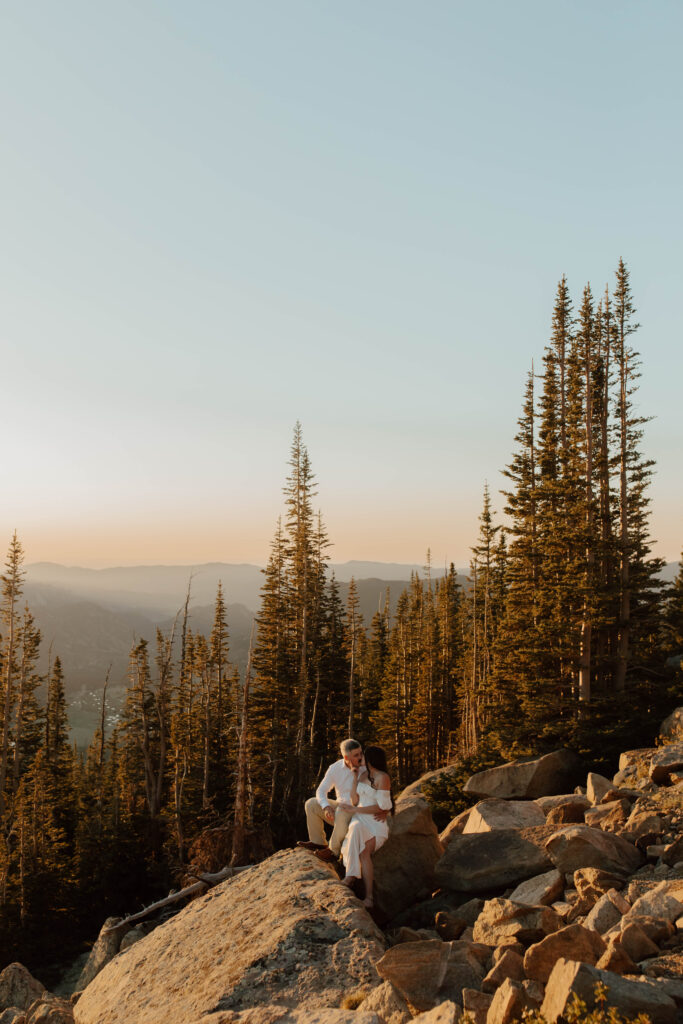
(528, 898)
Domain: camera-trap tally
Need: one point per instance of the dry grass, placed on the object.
(352, 1000)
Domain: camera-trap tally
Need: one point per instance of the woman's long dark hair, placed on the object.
(377, 759)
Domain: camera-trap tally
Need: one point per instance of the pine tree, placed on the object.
(12, 587)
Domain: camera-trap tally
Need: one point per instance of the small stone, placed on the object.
(635, 941)
(616, 959)
(508, 1003)
(596, 787)
(476, 1003)
(540, 890)
(500, 951)
(607, 911)
(510, 965)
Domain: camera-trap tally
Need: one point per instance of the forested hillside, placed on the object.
(564, 635)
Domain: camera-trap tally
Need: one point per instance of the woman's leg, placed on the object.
(367, 870)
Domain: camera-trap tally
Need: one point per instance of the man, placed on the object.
(320, 809)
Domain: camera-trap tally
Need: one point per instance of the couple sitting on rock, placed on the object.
(358, 814)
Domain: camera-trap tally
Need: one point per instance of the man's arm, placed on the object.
(324, 788)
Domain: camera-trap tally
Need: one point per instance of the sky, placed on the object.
(219, 218)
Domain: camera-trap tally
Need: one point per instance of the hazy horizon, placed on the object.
(223, 219)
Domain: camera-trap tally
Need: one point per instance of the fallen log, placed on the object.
(204, 882)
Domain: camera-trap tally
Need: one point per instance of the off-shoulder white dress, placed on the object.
(364, 827)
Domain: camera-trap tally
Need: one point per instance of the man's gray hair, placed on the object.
(346, 746)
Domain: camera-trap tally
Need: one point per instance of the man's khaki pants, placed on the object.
(315, 821)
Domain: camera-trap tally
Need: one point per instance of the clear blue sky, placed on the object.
(221, 217)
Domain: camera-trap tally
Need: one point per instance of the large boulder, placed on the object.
(18, 987)
(569, 977)
(492, 814)
(284, 932)
(429, 972)
(492, 860)
(405, 865)
(579, 846)
(526, 780)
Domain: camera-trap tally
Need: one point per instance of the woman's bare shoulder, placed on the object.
(382, 780)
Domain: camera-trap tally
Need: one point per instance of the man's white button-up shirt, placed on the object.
(339, 778)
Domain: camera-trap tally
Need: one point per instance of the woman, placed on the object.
(370, 793)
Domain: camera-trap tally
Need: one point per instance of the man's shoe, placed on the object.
(308, 845)
(326, 855)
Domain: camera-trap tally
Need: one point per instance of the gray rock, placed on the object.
(447, 1012)
(630, 997)
(547, 803)
(491, 814)
(476, 1003)
(18, 987)
(665, 900)
(455, 827)
(283, 932)
(596, 787)
(508, 1003)
(672, 726)
(490, 860)
(50, 1009)
(526, 780)
(105, 949)
(509, 965)
(13, 1015)
(388, 1003)
(404, 866)
(665, 761)
(579, 846)
(542, 889)
(574, 942)
(502, 920)
(427, 973)
(607, 912)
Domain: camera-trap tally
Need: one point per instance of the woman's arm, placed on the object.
(354, 787)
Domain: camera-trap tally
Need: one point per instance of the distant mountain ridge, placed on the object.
(92, 617)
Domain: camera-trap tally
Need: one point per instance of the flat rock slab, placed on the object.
(284, 932)
(492, 814)
(526, 780)
(579, 846)
(542, 889)
(492, 860)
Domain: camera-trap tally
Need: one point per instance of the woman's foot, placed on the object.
(349, 881)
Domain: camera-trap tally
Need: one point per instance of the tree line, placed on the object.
(561, 635)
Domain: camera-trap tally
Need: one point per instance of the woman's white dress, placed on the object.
(364, 827)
